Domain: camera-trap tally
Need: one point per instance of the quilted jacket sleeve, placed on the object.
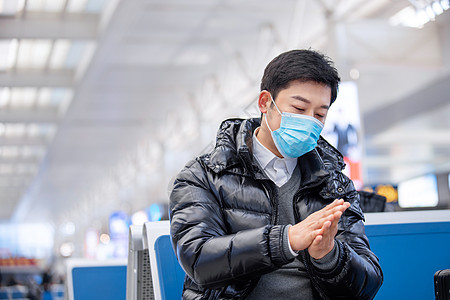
(208, 254)
(358, 274)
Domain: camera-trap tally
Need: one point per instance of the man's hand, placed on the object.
(317, 231)
(324, 242)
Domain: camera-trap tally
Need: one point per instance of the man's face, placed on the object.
(305, 98)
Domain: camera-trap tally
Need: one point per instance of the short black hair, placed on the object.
(303, 65)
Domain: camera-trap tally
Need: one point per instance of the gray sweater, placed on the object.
(291, 281)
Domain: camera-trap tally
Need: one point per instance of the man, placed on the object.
(263, 215)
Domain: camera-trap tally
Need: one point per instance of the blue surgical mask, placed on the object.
(297, 135)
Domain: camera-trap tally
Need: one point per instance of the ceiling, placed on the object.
(103, 102)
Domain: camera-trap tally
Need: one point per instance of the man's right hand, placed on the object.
(302, 234)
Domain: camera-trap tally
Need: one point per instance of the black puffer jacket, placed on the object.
(222, 214)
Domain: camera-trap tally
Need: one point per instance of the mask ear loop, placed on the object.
(275, 104)
(267, 123)
(267, 114)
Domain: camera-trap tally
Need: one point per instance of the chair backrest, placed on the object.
(57, 291)
(411, 247)
(47, 296)
(18, 294)
(171, 275)
(96, 280)
(139, 277)
(13, 292)
(160, 270)
(4, 294)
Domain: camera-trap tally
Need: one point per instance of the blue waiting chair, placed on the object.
(17, 293)
(4, 294)
(171, 275)
(47, 296)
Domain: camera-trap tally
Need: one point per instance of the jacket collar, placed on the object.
(233, 151)
(313, 169)
(233, 145)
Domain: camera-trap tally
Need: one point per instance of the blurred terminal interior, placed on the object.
(102, 102)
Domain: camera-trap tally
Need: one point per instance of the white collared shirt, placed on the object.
(279, 170)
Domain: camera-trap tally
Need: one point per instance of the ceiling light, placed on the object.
(104, 238)
(46, 5)
(66, 249)
(15, 130)
(33, 53)
(68, 228)
(445, 4)
(41, 130)
(437, 8)
(5, 95)
(418, 17)
(9, 151)
(76, 6)
(139, 217)
(11, 7)
(23, 97)
(430, 12)
(33, 151)
(8, 51)
(60, 52)
(354, 74)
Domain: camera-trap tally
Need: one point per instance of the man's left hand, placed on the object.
(324, 243)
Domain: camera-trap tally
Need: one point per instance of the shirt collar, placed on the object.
(264, 156)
